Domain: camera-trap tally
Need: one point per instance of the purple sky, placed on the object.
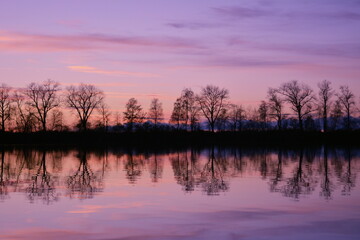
(147, 49)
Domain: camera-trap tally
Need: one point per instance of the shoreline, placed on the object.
(182, 138)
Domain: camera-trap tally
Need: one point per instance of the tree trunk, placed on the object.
(279, 124)
(300, 122)
(44, 126)
(2, 124)
(212, 125)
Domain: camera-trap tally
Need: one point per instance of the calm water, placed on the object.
(186, 194)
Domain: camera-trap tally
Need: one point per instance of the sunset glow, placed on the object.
(157, 48)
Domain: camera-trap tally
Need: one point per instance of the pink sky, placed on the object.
(147, 49)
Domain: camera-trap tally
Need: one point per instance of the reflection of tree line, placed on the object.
(290, 172)
(37, 173)
(308, 172)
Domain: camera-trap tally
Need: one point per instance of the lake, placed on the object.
(207, 193)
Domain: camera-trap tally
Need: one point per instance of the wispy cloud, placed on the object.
(343, 50)
(194, 25)
(344, 15)
(240, 12)
(246, 62)
(15, 41)
(88, 69)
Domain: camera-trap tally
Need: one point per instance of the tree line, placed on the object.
(292, 105)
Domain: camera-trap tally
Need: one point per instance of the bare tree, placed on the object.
(133, 113)
(177, 115)
(5, 105)
(186, 110)
(236, 116)
(57, 120)
(223, 120)
(24, 115)
(263, 111)
(117, 119)
(156, 111)
(325, 95)
(105, 115)
(84, 99)
(212, 102)
(190, 108)
(336, 114)
(276, 106)
(347, 100)
(42, 97)
(300, 97)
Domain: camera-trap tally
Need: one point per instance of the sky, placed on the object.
(146, 49)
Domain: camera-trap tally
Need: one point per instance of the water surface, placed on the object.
(215, 193)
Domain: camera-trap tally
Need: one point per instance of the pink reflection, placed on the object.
(181, 194)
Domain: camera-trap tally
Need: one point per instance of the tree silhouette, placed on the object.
(84, 99)
(104, 116)
(57, 120)
(42, 97)
(156, 111)
(325, 94)
(236, 117)
(5, 105)
(24, 116)
(177, 115)
(133, 113)
(263, 111)
(347, 100)
(212, 102)
(276, 106)
(300, 97)
(190, 109)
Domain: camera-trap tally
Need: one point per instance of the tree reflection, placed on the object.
(84, 183)
(278, 173)
(326, 183)
(156, 168)
(41, 174)
(212, 176)
(133, 166)
(186, 169)
(42, 183)
(348, 177)
(302, 181)
(3, 182)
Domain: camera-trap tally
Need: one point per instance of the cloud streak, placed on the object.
(29, 42)
(88, 69)
(194, 25)
(240, 12)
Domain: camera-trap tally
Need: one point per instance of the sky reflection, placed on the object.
(193, 194)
